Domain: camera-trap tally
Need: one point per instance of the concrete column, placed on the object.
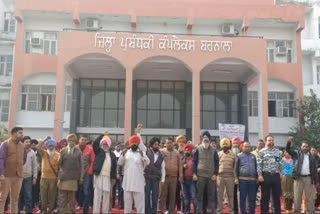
(263, 105)
(128, 104)
(75, 103)
(196, 107)
(244, 109)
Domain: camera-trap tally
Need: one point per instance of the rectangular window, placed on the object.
(6, 65)
(68, 101)
(101, 103)
(253, 103)
(38, 98)
(4, 110)
(280, 51)
(41, 42)
(281, 104)
(9, 22)
(160, 104)
(220, 103)
(318, 74)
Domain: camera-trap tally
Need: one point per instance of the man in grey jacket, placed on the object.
(305, 175)
(30, 173)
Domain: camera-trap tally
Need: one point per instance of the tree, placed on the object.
(308, 129)
(3, 134)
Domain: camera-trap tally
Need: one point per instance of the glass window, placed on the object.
(9, 22)
(41, 42)
(253, 103)
(159, 104)
(281, 104)
(6, 65)
(219, 104)
(4, 110)
(38, 98)
(280, 51)
(103, 101)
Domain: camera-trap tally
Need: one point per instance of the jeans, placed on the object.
(151, 195)
(247, 188)
(272, 183)
(26, 195)
(84, 194)
(189, 194)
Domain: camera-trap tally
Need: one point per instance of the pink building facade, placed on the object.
(177, 67)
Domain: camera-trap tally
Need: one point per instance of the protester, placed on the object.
(12, 159)
(205, 171)
(236, 143)
(134, 161)
(104, 170)
(173, 174)
(85, 191)
(30, 174)
(154, 173)
(246, 171)
(305, 174)
(70, 174)
(36, 187)
(270, 171)
(287, 186)
(226, 178)
(189, 186)
(117, 187)
(49, 174)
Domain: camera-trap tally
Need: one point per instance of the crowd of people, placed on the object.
(174, 176)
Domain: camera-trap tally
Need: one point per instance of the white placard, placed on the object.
(231, 130)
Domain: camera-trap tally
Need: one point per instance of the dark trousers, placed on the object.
(178, 197)
(205, 185)
(272, 182)
(85, 193)
(235, 199)
(151, 195)
(25, 198)
(189, 195)
(247, 189)
(118, 188)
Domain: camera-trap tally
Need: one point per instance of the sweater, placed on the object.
(227, 164)
(30, 168)
(205, 162)
(88, 157)
(46, 171)
(172, 162)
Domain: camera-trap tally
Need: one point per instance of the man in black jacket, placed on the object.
(104, 170)
(305, 175)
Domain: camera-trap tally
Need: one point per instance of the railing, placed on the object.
(158, 33)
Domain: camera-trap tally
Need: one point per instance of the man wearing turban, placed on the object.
(49, 174)
(154, 173)
(226, 178)
(205, 171)
(134, 160)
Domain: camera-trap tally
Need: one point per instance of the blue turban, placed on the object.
(205, 133)
(51, 143)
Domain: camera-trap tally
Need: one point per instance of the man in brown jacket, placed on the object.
(12, 158)
(173, 172)
(70, 174)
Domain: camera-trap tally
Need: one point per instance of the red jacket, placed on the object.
(88, 157)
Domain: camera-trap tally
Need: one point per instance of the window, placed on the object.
(318, 74)
(68, 100)
(160, 104)
(41, 42)
(252, 103)
(9, 22)
(38, 98)
(220, 103)
(281, 104)
(102, 103)
(6, 65)
(4, 110)
(280, 51)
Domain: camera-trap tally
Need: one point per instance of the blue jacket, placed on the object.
(246, 166)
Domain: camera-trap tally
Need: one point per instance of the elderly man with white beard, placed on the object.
(205, 171)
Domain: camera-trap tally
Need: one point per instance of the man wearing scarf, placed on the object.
(49, 173)
(70, 174)
(134, 161)
(104, 170)
(155, 173)
(226, 178)
(205, 171)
